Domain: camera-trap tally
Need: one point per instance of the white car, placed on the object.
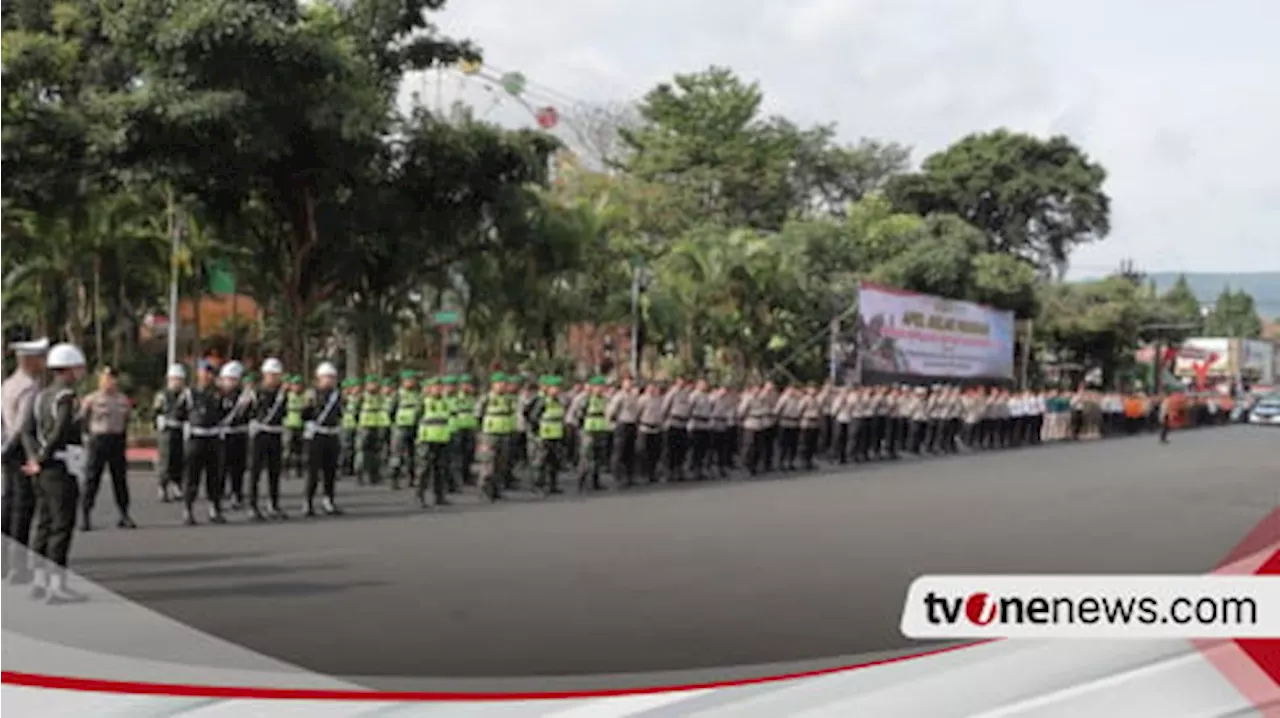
(1266, 411)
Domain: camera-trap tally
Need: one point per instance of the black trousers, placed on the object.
(809, 439)
(106, 451)
(322, 465)
(757, 445)
(267, 450)
(840, 442)
(650, 453)
(204, 460)
(624, 453)
(677, 450)
(170, 469)
(700, 440)
(235, 461)
(860, 442)
(788, 446)
(769, 444)
(19, 507)
(722, 449)
(57, 494)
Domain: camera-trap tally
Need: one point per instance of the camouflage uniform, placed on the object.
(433, 437)
(350, 422)
(294, 451)
(371, 433)
(546, 419)
(594, 455)
(462, 425)
(498, 422)
(405, 409)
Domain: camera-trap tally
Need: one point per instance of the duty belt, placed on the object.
(647, 425)
(172, 424)
(235, 430)
(255, 428)
(327, 430)
(206, 432)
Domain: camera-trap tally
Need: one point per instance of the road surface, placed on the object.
(684, 577)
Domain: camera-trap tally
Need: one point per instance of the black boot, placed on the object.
(330, 508)
(126, 523)
(188, 517)
(85, 523)
(215, 515)
(309, 509)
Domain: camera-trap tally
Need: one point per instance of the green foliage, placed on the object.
(1234, 315)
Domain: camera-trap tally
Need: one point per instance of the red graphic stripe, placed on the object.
(1266, 652)
(35, 680)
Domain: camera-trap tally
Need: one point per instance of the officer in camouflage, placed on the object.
(371, 429)
(546, 414)
(433, 439)
(295, 399)
(406, 406)
(594, 453)
(350, 422)
(497, 420)
(463, 425)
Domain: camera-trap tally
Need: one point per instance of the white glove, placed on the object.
(160, 423)
(74, 458)
(309, 431)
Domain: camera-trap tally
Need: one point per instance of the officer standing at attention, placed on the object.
(322, 417)
(406, 407)
(593, 455)
(19, 504)
(51, 439)
(650, 430)
(294, 400)
(462, 429)
(105, 417)
(758, 407)
(623, 412)
(266, 440)
(676, 413)
(810, 426)
(369, 432)
(842, 403)
(724, 409)
(546, 414)
(171, 412)
(497, 418)
(701, 408)
(203, 449)
(235, 431)
(350, 416)
(433, 439)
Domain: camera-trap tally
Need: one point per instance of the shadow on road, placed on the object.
(278, 589)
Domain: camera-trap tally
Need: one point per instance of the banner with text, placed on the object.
(904, 333)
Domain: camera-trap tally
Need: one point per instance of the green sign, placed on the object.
(446, 319)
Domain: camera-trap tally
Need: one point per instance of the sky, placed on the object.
(1178, 99)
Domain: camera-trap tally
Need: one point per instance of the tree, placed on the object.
(1234, 315)
(1092, 324)
(1033, 198)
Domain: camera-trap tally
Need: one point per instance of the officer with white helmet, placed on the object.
(55, 461)
(238, 404)
(266, 447)
(323, 417)
(170, 408)
(19, 504)
(203, 445)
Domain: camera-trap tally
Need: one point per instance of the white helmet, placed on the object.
(326, 369)
(272, 366)
(65, 356)
(177, 371)
(231, 370)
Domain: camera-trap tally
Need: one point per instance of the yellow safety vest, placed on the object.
(373, 412)
(464, 413)
(499, 415)
(294, 403)
(434, 428)
(351, 411)
(407, 405)
(551, 425)
(595, 420)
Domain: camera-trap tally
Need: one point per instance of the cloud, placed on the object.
(1177, 100)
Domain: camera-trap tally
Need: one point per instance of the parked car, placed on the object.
(1266, 411)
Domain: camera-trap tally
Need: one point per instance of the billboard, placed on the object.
(902, 333)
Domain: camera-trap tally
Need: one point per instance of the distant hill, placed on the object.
(1264, 286)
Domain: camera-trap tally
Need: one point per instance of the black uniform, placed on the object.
(171, 411)
(47, 439)
(235, 442)
(266, 445)
(207, 408)
(323, 414)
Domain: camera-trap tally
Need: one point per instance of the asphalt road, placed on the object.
(683, 577)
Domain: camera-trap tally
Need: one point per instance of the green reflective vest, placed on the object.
(350, 411)
(373, 412)
(408, 403)
(499, 414)
(595, 420)
(294, 403)
(551, 424)
(464, 412)
(434, 428)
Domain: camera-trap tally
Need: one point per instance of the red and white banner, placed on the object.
(905, 333)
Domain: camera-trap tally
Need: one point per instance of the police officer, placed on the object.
(266, 440)
(789, 411)
(624, 411)
(676, 414)
(406, 406)
(323, 419)
(594, 452)
(547, 417)
(171, 412)
(235, 430)
(462, 426)
(105, 417)
(51, 439)
(650, 431)
(202, 447)
(497, 413)
(432, 445)
(701, 408)
(373, 422)
(19, 503)
(810, 426)
(724, 414)
(295, 400)
(758, 411)
(350, 422)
